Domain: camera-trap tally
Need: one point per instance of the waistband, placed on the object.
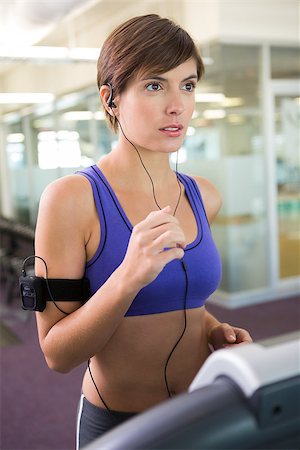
(99, 410)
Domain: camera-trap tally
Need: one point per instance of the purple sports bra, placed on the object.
(167, 291)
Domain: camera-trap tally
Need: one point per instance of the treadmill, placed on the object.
(244, 397)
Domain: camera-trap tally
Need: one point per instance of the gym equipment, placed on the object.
(244, 397)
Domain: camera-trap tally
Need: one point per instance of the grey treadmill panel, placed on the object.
(246, 397)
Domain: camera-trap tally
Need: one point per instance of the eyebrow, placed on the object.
(159, 78)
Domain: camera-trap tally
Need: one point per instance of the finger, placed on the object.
(242, 336)
(169, 239)
(169, 255)
(157, 218)
(229, 333)
(235, 344)
(166, 235)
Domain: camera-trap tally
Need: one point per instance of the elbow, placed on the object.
(55, 357)
(57, 366)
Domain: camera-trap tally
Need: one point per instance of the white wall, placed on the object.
(241, 20)
(260, 20)
(202, 19)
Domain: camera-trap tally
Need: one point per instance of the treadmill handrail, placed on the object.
(251, 366)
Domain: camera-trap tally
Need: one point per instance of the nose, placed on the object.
(175, 105)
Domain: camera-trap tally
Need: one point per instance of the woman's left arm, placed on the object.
(219, 334)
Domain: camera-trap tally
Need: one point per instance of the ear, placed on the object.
(104, 95)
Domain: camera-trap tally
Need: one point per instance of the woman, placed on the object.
(140, 232)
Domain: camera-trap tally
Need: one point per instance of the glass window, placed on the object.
(225, 145)
(285, 62)
(286, 147)
(87, 119)
(17, 164)
(64, 137)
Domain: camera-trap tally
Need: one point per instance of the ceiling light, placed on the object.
(83, 115)
(56, 54)
(34, 52)
(77, 115)
(235, 119)
(45, 53)
(25, 97)
(214, 114)
(47, 136)
(210, 97)
(230, 102)
(15, 138)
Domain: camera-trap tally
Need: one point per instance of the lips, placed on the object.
(173, 127)
(173, 130)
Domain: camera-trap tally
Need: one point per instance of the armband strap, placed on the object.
(65, 290)
(36, 291)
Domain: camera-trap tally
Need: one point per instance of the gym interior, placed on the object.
(243, 136)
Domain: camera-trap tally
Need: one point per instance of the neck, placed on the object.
(137, 165)
(153, 177)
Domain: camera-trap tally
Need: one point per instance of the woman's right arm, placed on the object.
(62, 234)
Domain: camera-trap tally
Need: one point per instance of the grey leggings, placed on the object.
(93, 421)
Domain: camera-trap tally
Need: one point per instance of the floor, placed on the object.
(38, 406)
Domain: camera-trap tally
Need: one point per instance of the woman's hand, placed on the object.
(225, 335)
(154, 242)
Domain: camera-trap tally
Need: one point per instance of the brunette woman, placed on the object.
(140, 232)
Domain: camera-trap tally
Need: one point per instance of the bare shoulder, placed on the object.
(211, 197)
(63, 226)
(67, 192)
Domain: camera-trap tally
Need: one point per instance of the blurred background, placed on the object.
(244, 137)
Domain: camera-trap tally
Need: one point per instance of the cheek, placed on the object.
(138, 114)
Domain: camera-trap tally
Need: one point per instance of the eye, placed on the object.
(153, 87)
(190, 86)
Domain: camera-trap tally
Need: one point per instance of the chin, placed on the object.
(163, 145)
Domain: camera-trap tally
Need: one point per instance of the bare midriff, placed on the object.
(129, 371)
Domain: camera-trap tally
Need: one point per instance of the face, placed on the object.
(155, 110)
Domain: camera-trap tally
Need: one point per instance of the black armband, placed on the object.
(36, 291)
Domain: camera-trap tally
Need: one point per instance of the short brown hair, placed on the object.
(142, 44)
